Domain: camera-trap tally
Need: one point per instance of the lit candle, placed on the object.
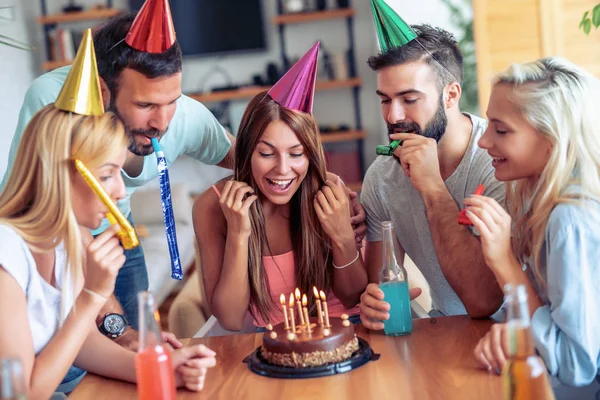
(324, 300)
(305, 309)
(300, 316)
(292, 322)
(285, 316)
(319, 309)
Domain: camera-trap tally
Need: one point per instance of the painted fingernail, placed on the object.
(498, 371)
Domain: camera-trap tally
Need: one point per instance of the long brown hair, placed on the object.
(310, 244)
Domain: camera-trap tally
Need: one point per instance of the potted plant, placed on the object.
(590, 18)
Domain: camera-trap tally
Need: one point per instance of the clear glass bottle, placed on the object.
(153, 365)
(12, 385)
(393, 281)
(525, 375)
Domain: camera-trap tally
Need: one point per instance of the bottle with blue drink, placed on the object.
(393, 281)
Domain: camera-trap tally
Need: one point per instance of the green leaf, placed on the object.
(587, 26)
(596, 16)
(585, 16)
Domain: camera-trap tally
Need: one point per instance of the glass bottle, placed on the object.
(153, 365)
(525, 375)
(12, 385)
(393, 281)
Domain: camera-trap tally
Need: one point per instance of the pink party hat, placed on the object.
(296, 89)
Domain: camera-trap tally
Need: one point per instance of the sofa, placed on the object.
(147, 215)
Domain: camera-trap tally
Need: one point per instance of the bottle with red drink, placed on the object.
(153, 365)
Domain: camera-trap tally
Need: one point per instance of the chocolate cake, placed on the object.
(322, 346)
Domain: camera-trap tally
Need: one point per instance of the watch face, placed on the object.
(114, 323)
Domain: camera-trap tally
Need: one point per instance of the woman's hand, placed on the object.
(235, 202)
(494, 226)
(191, 364)
(492, 349)
(104, 258)
(333, 209)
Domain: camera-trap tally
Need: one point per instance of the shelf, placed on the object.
(50, 65)
(312, 16)
(342, 136)
(78, 16)
(245, 93)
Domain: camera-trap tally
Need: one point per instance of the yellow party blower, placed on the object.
(127, 234)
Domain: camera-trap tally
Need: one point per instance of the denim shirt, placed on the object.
(566, 331)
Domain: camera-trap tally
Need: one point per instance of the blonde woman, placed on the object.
(52, 284)
(544, 136)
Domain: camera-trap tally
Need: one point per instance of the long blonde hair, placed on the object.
(560, 100)
(311, 246)
(36, 201)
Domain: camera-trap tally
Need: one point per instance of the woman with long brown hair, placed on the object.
(278, 223)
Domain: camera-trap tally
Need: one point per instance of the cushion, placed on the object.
(146, 207)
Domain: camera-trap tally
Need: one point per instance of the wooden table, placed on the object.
(434, 362)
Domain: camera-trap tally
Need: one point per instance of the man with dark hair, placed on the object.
(144, 89)
(421, 187)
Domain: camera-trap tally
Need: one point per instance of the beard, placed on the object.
(435, 129)
(139, 149)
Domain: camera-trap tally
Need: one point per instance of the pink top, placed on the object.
(280, 271)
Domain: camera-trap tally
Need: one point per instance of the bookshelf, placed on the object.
(341, 163)
(251, 91)
(313, 16)
(87, 15)
(61, 43)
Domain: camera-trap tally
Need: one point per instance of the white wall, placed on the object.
(333, 107)
(17, 70)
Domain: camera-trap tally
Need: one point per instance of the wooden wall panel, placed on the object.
(509, 31)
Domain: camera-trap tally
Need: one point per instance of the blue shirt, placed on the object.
(193, 131)
(566, 331)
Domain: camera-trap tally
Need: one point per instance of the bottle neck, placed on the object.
(12, 385)
(391, 268)
(149, 331)
(519, 324)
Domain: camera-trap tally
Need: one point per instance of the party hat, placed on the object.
(152, 30)
(392, 31)
(296, 89)
(81, 91)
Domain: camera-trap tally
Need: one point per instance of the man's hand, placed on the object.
(130, 340)
(191, 365)
(419, 159)
(358, 216)
(373, 310)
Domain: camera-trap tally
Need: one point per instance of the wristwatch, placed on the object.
(113, 325)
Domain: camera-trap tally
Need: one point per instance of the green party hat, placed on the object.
(392, 31)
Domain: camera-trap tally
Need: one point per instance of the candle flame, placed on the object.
(315, 292)
(291, 300)
(304, 302)
(323, 296)
(282, 299)
(297, 294)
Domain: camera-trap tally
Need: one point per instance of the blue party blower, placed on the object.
(167, 209)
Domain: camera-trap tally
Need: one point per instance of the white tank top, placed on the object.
(43, 299)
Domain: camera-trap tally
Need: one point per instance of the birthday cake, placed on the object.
(322, 345)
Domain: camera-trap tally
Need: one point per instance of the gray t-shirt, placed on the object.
(388, 195)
